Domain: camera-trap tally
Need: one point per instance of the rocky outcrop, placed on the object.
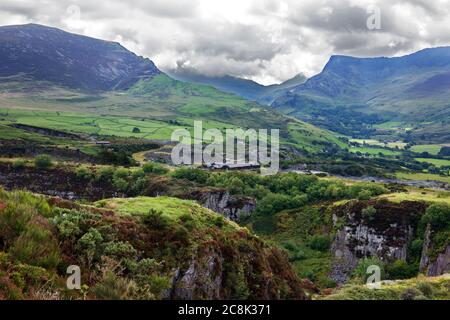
(386, 234)
(221, 201)
(434, 267)
(203, 278)
(56, 182)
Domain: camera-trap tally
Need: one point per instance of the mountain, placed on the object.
(70, 60)
(247, 89)
(272, 92)
(351, 93)
(244, 88)
(110, 89)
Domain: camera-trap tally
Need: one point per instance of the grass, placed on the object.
(172, 208)
(156, 106)
(436, 162)
(373, 142)
(430, 148)
(423, 288)
(422, 177)
(389, 125)
(414, 194)
(375, 151)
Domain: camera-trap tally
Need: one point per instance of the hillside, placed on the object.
(244, 88)
(71, 60)
(351, 94)
(57, 80)
(160, 248)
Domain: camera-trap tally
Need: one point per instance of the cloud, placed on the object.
(264, 40)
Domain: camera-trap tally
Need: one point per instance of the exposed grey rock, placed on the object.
(232, 207)
(440, 265)
(359, 238)
(202, 278)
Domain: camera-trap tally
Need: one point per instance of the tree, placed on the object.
(136, 130)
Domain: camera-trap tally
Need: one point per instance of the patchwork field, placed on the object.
(375, 151)
(430, 148)
(436, 162)
(422, 176)
(374, 142)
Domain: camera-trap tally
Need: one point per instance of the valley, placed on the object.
(86, 178)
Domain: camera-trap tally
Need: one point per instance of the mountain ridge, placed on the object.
(410, 89)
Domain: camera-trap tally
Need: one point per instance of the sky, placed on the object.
(268, 41)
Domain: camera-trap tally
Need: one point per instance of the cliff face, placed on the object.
(385, 234)
(137, 248)
(232, 207)
(437, 266)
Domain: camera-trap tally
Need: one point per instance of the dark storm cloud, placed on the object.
(266, 40)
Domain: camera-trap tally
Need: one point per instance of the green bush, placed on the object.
(369, 213)
(195, 175)
(18, 164)
(119, 249)
(156, 220)
(105, 173)
(43, 161)
(364, 195)
(400, 270)
(154, 168)
(36, 246)
(84, 173)
(438, 216)
(112, 287)
(361, 269)
(412, 294)
(320, 243)
(426, 289)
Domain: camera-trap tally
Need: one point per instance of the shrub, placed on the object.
(36, 247)
(121, 185)
(43, 161)
(89, 245)
(18, 164)
(105, 173)
(113, 287)
(416, 248)
(120, 249)
(361, 269)
(364, 195)
(412, 294)
(84, 173)
(369, 213)
(195, 175)
(438, 215)
(320, 243)
(154, 168)
(156, 219)
(427, 289)
(401, 270)
(121, 173)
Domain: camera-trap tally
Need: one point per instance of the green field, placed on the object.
(374, 142)
(419, 195)
(436, 162)
(155, 106)
(374, 151)
(430, 148)
(422, 176)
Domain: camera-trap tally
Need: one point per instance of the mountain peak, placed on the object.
(50, 54)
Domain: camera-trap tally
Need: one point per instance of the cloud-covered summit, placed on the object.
(264, 40)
